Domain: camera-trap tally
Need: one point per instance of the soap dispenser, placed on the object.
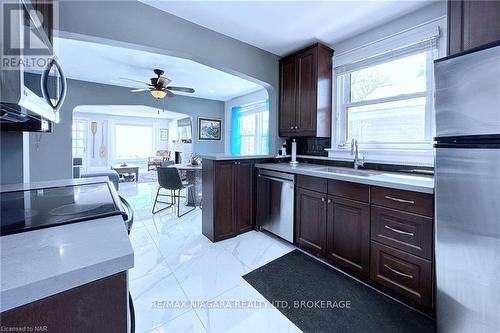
(294, 153)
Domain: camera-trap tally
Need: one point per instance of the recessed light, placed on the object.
(211, 91)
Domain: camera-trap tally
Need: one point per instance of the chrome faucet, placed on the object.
(358, 161)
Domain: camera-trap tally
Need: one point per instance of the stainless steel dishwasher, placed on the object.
(275, 203)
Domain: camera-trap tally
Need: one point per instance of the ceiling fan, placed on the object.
(159, 87)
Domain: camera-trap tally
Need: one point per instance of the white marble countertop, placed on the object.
(52, 183)
(397, 180)
(222, 156)
(40, 263)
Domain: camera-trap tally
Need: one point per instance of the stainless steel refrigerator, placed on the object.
(467, 194)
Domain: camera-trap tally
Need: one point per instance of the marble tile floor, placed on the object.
(182, 282)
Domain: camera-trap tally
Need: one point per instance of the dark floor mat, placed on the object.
(297, 277)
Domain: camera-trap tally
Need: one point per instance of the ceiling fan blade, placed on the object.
(164, 81)
(138, 90)
(124, 78)
(169, 93)
(181, 89)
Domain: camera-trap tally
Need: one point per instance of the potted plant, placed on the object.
(195, 159)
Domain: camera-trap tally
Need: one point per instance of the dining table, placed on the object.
(193, 177)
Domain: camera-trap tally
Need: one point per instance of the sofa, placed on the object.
(111, 174)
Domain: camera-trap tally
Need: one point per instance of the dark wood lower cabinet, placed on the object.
(243, 203)
(228, 205)
(348, 235)
(223, 201)
(310, 218)
(403, 273)
(99, 306)
(404, 231)
(381, 235)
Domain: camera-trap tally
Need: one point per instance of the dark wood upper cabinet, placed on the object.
(46, 9)
(310, 219)
(305, 120)
(306, 93)
(472, 23)
(348, 235)
(288, 88)
(227, 198)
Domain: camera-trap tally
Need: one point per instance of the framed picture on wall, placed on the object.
(163, 134)
(209, 129)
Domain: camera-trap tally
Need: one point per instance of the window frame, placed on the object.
(84, 139)
(259, 136)
(342, 81)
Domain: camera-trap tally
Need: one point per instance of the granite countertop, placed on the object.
(222, 156)
(396, 180)
(40, 263)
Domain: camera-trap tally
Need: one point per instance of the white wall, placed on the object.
(241, 100)
(109, 121)
(50, 154)
(112, 24)
(408, 21)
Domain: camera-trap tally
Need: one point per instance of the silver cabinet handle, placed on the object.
(398, 272)
(296, 127)
(323, 199)
(291, 127)
(411, 202)
(400, 231)
(329, 200)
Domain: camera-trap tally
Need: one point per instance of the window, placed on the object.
(78, 138)
(386, 102)
(184, 129)
(250, 129)
(133, 142)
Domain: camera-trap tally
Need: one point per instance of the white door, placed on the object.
(79, 141)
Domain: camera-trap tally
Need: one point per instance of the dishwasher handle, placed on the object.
(276, 176)
(276, 179)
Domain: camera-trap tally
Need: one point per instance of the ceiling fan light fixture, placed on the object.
(158, 93)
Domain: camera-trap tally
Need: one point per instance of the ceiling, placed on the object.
(129, 111)
(284, 26)
(105, 64)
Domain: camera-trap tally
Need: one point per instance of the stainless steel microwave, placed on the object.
(33, 85)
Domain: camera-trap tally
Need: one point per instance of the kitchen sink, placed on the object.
(346, 171)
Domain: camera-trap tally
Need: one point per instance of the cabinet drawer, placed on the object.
(312, 183)
(405, 231)
(414, 202)
(406, 274)
(354, 191)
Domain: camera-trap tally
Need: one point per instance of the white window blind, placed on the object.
(384, 96)
(394, 54)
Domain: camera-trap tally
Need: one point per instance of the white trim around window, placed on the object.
(413, 152)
